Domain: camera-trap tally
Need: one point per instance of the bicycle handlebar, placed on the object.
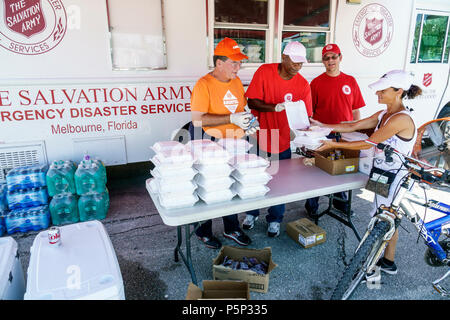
(427, 175)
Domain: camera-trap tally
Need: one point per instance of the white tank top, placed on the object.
(402, 145)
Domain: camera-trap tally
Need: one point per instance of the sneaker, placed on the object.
(274, 229)
(374, 275)
(238, 236)
(389, 269)
(210, 242)
(249, 222)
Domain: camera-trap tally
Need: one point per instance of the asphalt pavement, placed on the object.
(145, 250)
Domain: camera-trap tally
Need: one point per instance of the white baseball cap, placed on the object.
(296, 51)
(399, 79)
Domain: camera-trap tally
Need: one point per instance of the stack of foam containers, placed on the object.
(213, 178)
(12, 281)
(83, 267)
(251, 175)
(27, 199)
(173, 175)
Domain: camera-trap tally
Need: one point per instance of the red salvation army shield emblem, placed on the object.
(373, 31)
(24, 16)
(427, 79)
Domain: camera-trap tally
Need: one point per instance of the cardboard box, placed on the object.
(257, 282)
(219, 289)
(334, 167)
(306, 232)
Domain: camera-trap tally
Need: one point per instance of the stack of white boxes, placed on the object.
(251, 175)
(213, 178)
(173, 175)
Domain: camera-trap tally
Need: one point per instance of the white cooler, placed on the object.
(83, 267)
(12, 282)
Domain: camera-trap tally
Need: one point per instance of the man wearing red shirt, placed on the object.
(273, 85)
(336, 98)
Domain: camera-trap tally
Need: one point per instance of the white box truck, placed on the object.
(112, 77)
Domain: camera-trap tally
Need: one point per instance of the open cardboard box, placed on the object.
(306, 233)
(257, 282)
(349, 164)
(219, 289)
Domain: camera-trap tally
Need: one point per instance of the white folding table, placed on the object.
(292, 181)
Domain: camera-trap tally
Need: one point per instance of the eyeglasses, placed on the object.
(335, 57)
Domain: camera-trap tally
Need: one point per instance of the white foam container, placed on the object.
(161, 186)
(12, 281)
(252, 179)
(175, 201)
(235, 146)
(245, 161)
(248, 192)
(215, 196)
(174, 175)
(215, 184)
(215, 170)
(83, 267)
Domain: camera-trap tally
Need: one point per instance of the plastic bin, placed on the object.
(83, 267)
(12, 281)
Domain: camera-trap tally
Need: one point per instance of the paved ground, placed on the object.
(144, 247)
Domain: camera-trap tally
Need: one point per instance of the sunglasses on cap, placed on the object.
(333, 57)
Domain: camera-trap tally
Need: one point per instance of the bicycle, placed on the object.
(387, 219)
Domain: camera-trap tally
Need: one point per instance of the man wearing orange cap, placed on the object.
(273, 85)
(217, 108)
(336, 98)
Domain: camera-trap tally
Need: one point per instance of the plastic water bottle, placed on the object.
(93, 206)
(90, 176)
(61, 178)
(3, 202)
(25, 198)
(28, 219)
(2, 224)
(64, 209)
(26, 177)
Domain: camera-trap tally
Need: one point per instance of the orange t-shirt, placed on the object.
(216, 97)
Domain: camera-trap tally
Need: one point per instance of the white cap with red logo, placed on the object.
(395, 79)
(296, 51)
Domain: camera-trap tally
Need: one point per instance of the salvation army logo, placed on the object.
(288, 97)
(346, 89)
(32, 27)
(372, 30)
(427, 79)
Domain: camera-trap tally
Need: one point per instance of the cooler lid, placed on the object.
(8, 251)
(84, 263)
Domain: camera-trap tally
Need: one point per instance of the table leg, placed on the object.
(348, 214)
(188, 258)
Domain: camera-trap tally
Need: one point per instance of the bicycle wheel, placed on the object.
(362, 258)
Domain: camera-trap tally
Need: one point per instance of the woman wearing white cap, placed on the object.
(393, 126)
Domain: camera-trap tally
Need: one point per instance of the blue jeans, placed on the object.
(276, 212)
